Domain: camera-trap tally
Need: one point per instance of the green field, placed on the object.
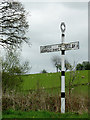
(41, 114)
(53, 80)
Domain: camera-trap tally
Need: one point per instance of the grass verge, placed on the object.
(41, 114)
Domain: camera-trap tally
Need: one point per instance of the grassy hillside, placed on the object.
(50, 80)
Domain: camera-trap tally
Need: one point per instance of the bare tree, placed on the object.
(57, 63)
(13, 24)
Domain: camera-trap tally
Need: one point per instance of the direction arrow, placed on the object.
(58, 47)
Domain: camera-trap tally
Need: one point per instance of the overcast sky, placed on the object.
(44, 19)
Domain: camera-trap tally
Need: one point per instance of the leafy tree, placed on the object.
(13, 29)
(79, 67)
(84, 66)
(13, 24)
(43, 71)
(12, 70)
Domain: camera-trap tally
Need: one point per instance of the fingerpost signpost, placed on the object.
(61, 47)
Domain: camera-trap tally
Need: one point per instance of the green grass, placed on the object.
(80, 90)
(50, 80)
(47, 80)
(41, 114)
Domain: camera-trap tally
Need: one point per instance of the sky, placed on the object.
(44, 20)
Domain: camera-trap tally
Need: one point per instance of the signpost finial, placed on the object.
(63, 27)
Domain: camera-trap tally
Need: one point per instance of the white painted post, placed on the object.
(62, 70)
(61, 47)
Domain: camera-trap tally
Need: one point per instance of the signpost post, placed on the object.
(61, 47)
(63, 27)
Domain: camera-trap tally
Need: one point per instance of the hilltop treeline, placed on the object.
(83, 66)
